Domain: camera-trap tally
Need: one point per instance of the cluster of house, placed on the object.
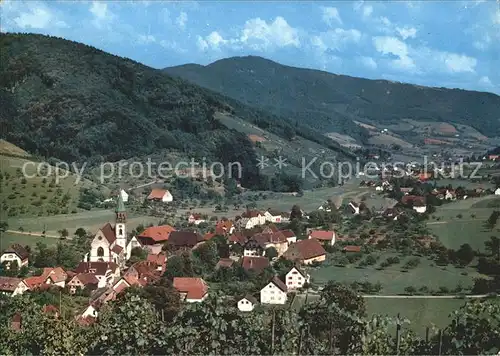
(104, 273)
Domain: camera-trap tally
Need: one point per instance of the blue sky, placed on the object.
(445, 44)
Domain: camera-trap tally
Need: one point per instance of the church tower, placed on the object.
(121, 219)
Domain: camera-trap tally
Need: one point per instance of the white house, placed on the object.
(273, 216)
(161, 195)
(191, 289)
(296, 278)
(379, 188)
(89, 311)
(497, 191)
(247, 303)
(420, 208)
(196, 219)
(133, 243)
(124, 195)
(274, 292)
(254, 218)
(15, 254)
(290, 236)
(106, 272)
(354, 207)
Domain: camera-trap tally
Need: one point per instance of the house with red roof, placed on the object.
(325, 237)
(290, 236)
(83, 281)
(196, 219)
(351, 248)
(273, 216)
(10, 286)
(159, 260)
(155, 235)
(191, 289)
(255, 263)
(106, 272)
(275, 292)
(160, 195)
(252, 218)
(306, 252)
(224, 227)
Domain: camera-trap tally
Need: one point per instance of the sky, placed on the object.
(452, 44)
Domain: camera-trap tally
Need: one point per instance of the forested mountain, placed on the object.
(70, 101)
(330, 102)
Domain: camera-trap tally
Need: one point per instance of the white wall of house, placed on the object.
(20, 289)
(294, 279)
(251, 252)
(133, 243)
(272, 218)
(420, 209)
(271, 294)
(11, 257)
(314, 259)
(497, 191)
(90, 311)
(99, 241)
(167, 197)
(245, 305)
(124, 195)
(196, 300)
(291, 240)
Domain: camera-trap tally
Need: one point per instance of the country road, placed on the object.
(37, 234)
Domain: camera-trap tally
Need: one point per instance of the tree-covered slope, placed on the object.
(330, 102)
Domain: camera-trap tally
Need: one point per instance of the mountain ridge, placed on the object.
(330, 99)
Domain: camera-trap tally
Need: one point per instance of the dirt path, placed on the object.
(36, 234)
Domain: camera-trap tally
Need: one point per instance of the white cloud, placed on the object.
(146, 39)
(367, 11)
(392, 45)
(331, 15)
(40, 18)
(181, 20)
(496, 17)
(260, 35)
(101, 13)
(385, 21)
(458, 63)
(406, 32)
(335, 39)
(485, 81)
(368, 62)
(213, 41)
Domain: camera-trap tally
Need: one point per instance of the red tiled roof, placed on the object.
(9, 284)
(288, 233)
(256, 263)
(195, 288)
(158, 233)
(322, 235)
(117, 249)
(157, 194)
(109, 233)
(158, 259)
(56, 274)
(251, 214)
(304, 250)
(224, 262)
(223, 226)
(238, 237)
(416, 199)
(352, 248)
(34, 282)
(196, 216)
(269, 229)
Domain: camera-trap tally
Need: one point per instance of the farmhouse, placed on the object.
(258, 243)
(306, 252)
(296, 278)
(191, 289)
(247, 303)
(155, 235)
(15, 254)
(196, 219)
(251, 218)
(272, 216)
(105, 272)
(83, 281)
(256, 264)
(274, 292)
(326, 237)
(184, 240)
(290, 236)
(160, 195)
(8, 285)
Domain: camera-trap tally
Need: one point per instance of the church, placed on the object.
(109, 243)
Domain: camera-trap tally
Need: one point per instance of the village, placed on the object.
(275, 250)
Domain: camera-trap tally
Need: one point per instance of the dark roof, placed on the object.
(87, 278)
(256, 263)
(224, 262)
(250, 298)
(117, 249)
(304, 250)
(19, 250)
(109, 233)
(351, 248)
(9, 284)
(279, 284)
(415, 199)
(99, 267)
(184, 238)
(288, 233)
(238, 237)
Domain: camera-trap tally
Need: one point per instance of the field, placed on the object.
(422, 313)
(453, 231)
(8, 238)
(392, 279)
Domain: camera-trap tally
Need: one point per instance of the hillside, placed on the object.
(70, 101)
(331, 102)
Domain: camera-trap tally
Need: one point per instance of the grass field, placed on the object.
(393, 280)
(454, 231)
(8, 239)
(421, 313)
(89, 220)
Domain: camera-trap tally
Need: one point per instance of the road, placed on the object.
(37, 234)
(475, 296)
